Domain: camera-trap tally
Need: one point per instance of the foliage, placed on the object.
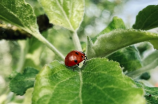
(100, 80)
(21, 82)
(13, 13)
(147, 18)
(116, 23)
(109, 43)
(105, 80)
(68, 14)
(151, 93)
(145, 76)
(123, 55)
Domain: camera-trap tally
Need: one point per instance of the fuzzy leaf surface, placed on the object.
(21, 82)
(154, 43)
(108, 43)
(100, 82)
(128, 58)
(116, 23)
(151, 93)
(65, 13)
(19, 13)
(147, 18)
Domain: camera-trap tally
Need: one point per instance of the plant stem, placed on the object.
(49, 45)
(77, 44)
(9, 97)
(76, 41)
(23, 51)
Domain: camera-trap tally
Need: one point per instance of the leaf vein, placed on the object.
(57, 85)
(81, 85)
(64, 14)
(102, 91)
(147, 19)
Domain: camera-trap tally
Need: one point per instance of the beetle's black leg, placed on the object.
(67, 67)
(84, 62)
(86, 58)
(75, 67)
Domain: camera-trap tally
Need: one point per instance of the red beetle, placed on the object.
(74, 58)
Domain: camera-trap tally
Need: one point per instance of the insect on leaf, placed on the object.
(100, 82)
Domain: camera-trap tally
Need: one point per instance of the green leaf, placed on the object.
(100, 82)
(147, 18)
(66, 13)
(128, 58)
(151, 93)
(144, 69)
(149, 62)
(13, 74)
(144, 47)
(108, 43)
(116, 23)
(145, 76)
(151, 58)
(89, 48)
(21, 82)
(19, 13)
(154, 43)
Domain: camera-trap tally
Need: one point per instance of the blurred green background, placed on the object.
(16, 55)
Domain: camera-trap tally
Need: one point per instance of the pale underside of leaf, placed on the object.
(117, 39)
(19, 13)
(66, 13)
(150, 58)
(97, 84)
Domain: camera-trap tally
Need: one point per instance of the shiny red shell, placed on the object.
(74, 58)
